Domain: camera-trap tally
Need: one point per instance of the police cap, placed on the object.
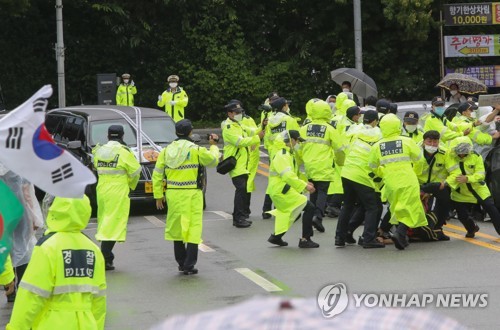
(411, 117)
(370, 116)
(183, 127)
(115, 131)
(172, 78)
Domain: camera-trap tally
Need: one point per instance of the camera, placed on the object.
(265, 107)
(208, 138)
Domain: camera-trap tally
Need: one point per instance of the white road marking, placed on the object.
(223, 214)
(259, 280)
(155, 221)
(205, 248)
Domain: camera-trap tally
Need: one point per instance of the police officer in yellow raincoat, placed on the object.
(321, 152)
(126, 91)
(464, 120)
(174, 99)
(237, 143)
(359, 186)
(285, 189)
(391, 159)
(181, 164)
(411, 128)
(64, 286)
(118, 172)
(437, 121)
(466, 179)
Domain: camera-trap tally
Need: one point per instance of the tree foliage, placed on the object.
(221, 49)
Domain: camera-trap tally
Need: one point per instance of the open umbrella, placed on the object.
(361, 83)
(466, 84)
(274, 313)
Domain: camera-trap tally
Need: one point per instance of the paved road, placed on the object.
(236, 264)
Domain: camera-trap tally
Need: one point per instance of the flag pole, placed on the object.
(60, 55)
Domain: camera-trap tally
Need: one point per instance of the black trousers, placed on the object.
(241, 198)
(19, 271)
(368, 201)
(186, 255)
(442, 202)
(335, 200)
(487, 204)
(268, 203)
(319, 197)
(106, 249)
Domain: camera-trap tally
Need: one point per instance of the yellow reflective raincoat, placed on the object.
(447, 130)
(180, 163)
(64, 286)
(473, 167)
(322, 148)
(278, 123)
(285, 188)
(477, 137)
(237, 143)
(181, 99)
(125, 95)
(435, 171)
(396, 160)
(417, 136)
(7, 276)
(249, 125)
(356, 163)
(118, 172)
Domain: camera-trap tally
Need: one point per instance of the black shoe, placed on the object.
(471, 234)
(442, 236)
(373, 244)
(247, 219)
(11, 297)
(307, 244)
(266, 215)
(332, 212)
(109, 265)
(339, 242)
(192, 271)
(318, 224)
(277, 240)
(399, 242)
(360, 241)
(349, 239)
(181, 268)
(242, 224)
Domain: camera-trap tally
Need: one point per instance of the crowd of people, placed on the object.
(356, 159)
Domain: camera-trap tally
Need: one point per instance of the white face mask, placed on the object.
(411, 128)
(296, 147)
(453, 93)
(431, 149)
(345, 90)
(172, 84)
(473, 114)
(125, 81)
(238, 117)
(332, 105)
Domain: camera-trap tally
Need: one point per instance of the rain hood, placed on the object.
(177, 152)
(341, 97)
(321, 111)
(390, 125)
(68, 214)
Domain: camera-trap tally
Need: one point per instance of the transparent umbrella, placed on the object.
(361, 83)
(272, 313)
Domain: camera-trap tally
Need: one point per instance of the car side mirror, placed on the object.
(424, 106)
(72, 145)
(196, 137)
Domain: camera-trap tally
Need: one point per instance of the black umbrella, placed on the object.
(361, 83)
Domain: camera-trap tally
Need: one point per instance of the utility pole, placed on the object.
(358, 48)
(60, 55)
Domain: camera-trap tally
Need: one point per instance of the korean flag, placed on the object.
(27, 149)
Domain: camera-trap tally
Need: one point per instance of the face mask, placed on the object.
(125, 81)
(238, 117)
(473, 114)
(431, 149)
(332, 105)
(453, 93)
(345, 90)
(172, 84)
(296, 147)
(439, 110)
(411, 128)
